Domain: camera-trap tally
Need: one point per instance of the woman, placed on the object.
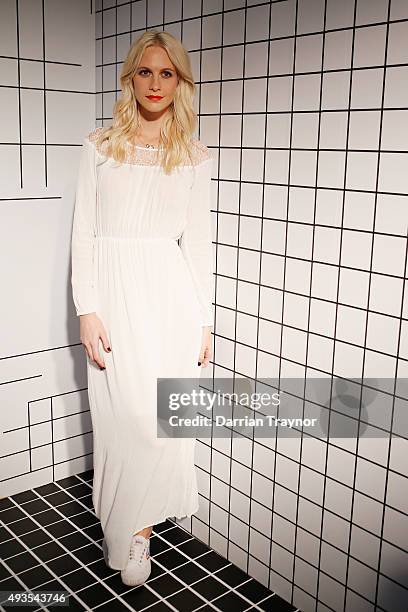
(143, 183)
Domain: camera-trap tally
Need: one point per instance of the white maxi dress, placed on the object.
(153, 297)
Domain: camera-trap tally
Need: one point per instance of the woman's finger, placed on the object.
(97, 358)
(206, 359)
(88, 349)
(105, 342)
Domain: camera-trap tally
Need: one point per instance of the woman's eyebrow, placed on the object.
(148, 68)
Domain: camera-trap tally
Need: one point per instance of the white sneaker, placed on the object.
(138, 567)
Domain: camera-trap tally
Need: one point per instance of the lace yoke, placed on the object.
(143, 156)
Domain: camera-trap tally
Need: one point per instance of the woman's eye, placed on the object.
(165, 72)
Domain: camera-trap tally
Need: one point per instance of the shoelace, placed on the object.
(145, 547)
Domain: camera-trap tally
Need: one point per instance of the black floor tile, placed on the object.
(71, 508)
(35, 538)
(253, 590)
(4, 533)
(35, 576)
(12, 514)
(140, 597)
(22, 526)
(49, 551)
(94, 595)
(156, 570)
(166, 585)
(115, 583)
(24, 496)
(158, 545)
(3, 573)
(47, 489)
(52, 585)
(58, 498)
(209, 588)
(89, 554)
(63, 565)
(176, 536)
(34, 506)
(194, 548)
(231, 602)
(86, 501)
(101, 569)
(114, 606)
(10, 584)
(160, 527)
(80, 490)
(185, 601)
(85, 519)
(212, 561)
(190, 572)
(47, 517)
(276, 604)
(75, 540)
(60, 528)
(171, 558)
(79, 579)
(21, 562)
(232, 575)
(10, 548)
(68, 482)
(87, 475)
(94, 532)
(5, 503)
(161, 607)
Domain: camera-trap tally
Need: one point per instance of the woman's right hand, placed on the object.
(91, 329)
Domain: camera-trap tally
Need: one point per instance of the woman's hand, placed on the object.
(206, 347)
(90, 330)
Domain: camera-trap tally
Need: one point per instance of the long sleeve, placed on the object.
(83, 233)
(196, 239)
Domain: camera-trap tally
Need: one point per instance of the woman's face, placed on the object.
(155, 76)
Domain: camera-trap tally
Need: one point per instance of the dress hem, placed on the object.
(156, 522)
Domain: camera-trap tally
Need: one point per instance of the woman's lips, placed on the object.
(154, 97)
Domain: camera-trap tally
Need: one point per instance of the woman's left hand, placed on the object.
(206, 348)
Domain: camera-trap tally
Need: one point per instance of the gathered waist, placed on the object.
(136, 238)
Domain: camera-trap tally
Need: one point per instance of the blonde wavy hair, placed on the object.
(181, 120)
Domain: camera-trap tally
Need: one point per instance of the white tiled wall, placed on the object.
(47, 100)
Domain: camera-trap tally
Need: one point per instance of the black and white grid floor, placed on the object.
(51, 540)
